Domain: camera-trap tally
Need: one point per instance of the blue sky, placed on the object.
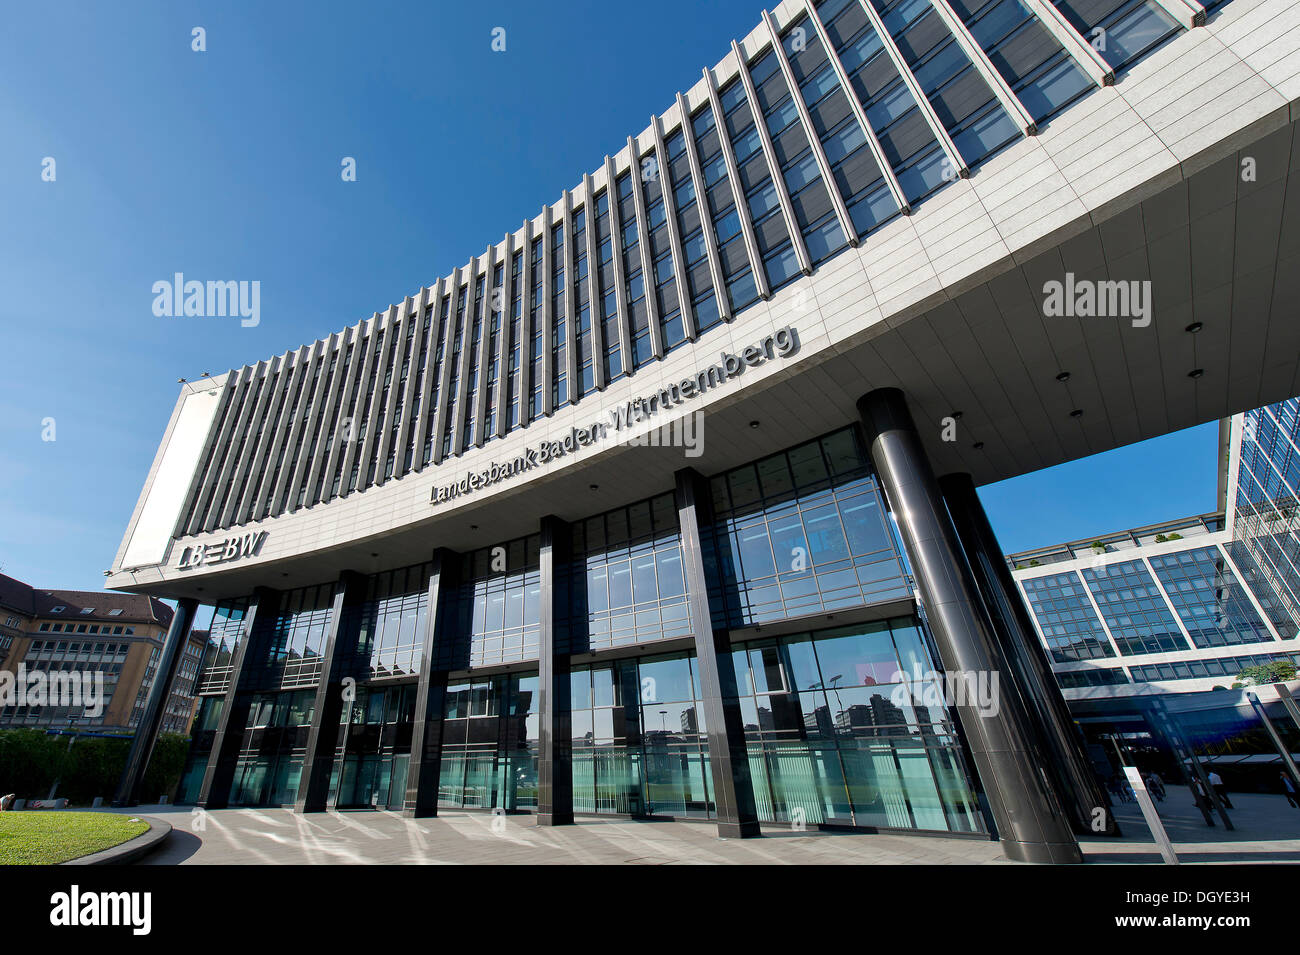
(225, 165)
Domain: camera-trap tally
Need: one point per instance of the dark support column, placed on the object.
(1031, 824)
(733, 791)
(246, 669)
(555, 747)
(1080, 791)
(146, 734)
(431, 692)
(338, 662)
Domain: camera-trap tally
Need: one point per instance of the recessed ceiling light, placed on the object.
(594, 487)
(1076, 413)
(956, 415)
(1063, 376)
(1194, 327)
(1196, 373)
(978, 445)
(753, 424)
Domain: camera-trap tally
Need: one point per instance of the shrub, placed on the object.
(31, 759)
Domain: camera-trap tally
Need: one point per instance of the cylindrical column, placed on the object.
(1080, 790)
(146, 734)
(1031, 824)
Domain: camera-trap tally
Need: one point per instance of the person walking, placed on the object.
(1220, 790)
(1157, 786)
(1199, 795)
(1117, 788)
(1289, 790)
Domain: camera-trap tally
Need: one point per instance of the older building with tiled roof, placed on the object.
(119, 636)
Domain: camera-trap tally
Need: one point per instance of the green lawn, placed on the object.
(43, 837)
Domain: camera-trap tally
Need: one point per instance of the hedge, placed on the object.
(31, 759)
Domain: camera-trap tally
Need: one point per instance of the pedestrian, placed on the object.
(1199, 795)
(1220, 790)
(1117, 788)
(1289, 790)
(1157, 786)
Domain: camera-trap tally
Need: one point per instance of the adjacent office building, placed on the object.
(1185, 605)
(73, 631)
(1163, 608)
(1149, 629)
(638, 511)
(1264, 522)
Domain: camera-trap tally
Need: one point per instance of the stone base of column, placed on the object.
(739, 830)
(1043, 853)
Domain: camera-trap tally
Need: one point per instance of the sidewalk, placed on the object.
(1266, 829)
(278, 836)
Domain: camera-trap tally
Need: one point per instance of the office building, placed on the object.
(637, 511)
(119, 636)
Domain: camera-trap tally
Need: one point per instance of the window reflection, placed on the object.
(802, 531)
(835, 735)
(631, 562)
(489, 749)
(638, 743)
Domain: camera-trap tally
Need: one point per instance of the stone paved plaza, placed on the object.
(1267, 830)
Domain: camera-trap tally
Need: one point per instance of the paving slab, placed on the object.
(1266, 830)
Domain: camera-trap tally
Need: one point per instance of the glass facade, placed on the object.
(961, 98)
(1122, 31)
(814, 212)
(489, 744)
(638, 738)
(771, 234)
(497, 610)
(1212, 605)
(298, 634)
(1135, 612)
(392, 622)
(1066, 618)
(837, 733)
(1151, 601)
(799, 532)
(225, 632)
(1037, 68)
(202, 732)
(376, 743)
(271, 751)
(631, 562)
(1198, 589)
(1266, 521)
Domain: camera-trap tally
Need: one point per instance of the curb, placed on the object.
(131, 850)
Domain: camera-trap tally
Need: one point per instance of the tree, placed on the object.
(1262, 673)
